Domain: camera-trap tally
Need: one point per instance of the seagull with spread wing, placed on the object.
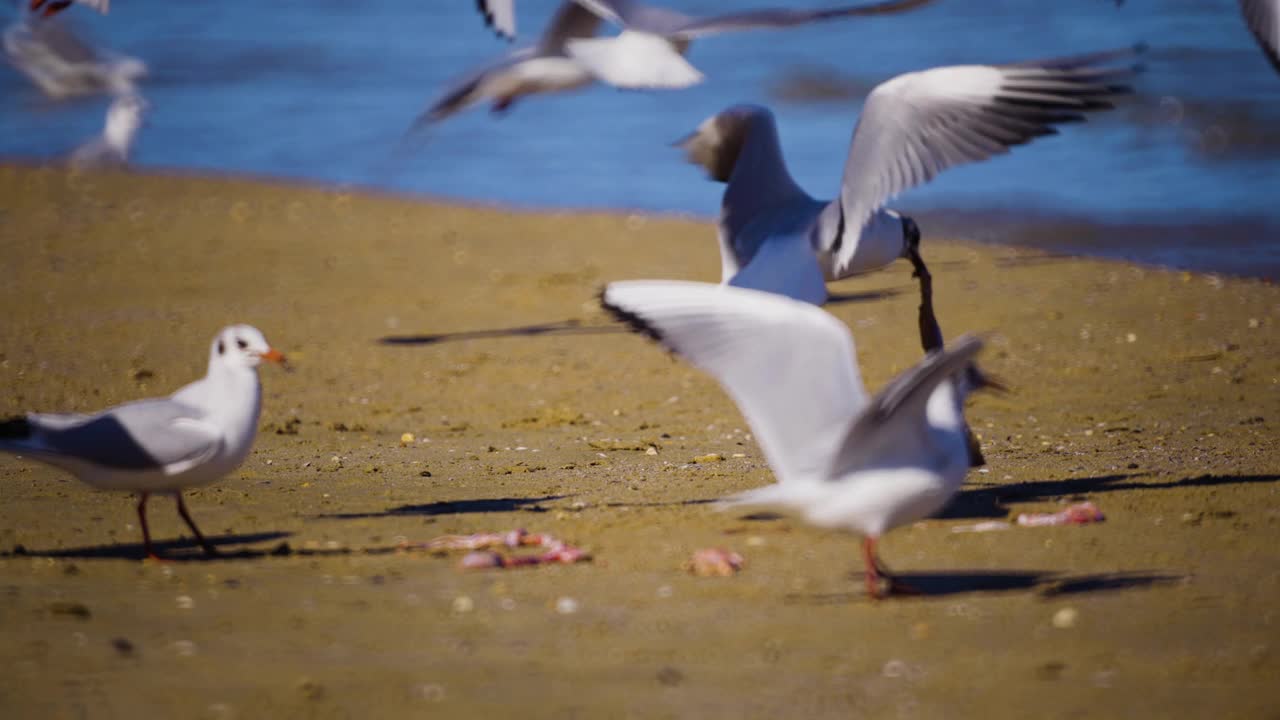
(843, 460)
(774, 236)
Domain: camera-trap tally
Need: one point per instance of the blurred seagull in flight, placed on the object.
(62, 65)
(842, 460)
(162, 445)
(649, 53)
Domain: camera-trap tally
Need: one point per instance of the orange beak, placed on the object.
(275, 356)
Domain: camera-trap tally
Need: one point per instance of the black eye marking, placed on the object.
(241, 344)
(221, 348)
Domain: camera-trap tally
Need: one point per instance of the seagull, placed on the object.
(125, 116)
(649, 53)
(543, 68)
(160, 445)
(774, 236)
(1263, 19)
(650, 50)
(843, 460)
(57, 6)
(62, 65)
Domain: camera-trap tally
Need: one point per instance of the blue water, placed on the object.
(324, 90)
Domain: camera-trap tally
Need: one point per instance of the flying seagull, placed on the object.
(160, 445)
(843, 460)
(649, 53)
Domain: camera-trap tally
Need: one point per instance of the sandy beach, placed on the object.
(1154, 394)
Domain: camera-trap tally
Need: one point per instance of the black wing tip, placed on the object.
(630, 319)
(15, 428)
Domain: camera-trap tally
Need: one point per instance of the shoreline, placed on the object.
(1149, 237)
(1152, 393)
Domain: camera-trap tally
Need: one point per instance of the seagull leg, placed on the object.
(146, 532)
(182, 510)
(502, 104)
(872, 569)
(880, 582)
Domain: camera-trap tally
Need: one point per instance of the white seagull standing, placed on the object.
(161, 445)
(774, 236)
(125, 117)
(842, 460)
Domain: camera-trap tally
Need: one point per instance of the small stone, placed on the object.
(670, 676)
(566, 605)
(463, 604)
(1131, 337)
(756, 541)
(651, 450)
(122, 646)
(185, 602)
(310, 689)
(709, 458)
(714, 562)
(406, 439)
(1065, 618)
(67, 608)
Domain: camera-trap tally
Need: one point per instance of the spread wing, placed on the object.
(790, 366)
(916, 125)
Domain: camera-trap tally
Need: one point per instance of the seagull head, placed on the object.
(243, 346)
(718, 140)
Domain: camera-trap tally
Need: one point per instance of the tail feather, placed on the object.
(15, 428)
(779, 496)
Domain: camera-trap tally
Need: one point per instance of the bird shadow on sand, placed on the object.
(1044, 584)
(989, 501)
(182, 549)
(453, 507)
(574, 326)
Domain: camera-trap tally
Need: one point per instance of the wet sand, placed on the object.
(1153, 393)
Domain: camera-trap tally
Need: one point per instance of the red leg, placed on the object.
(182, 510)
(877, 571)
(146, 532)
(872, 567)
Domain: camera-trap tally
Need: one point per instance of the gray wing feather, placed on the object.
(917, 125)
(781, 18)
(911, 389)
(1263, 19)
(571, 20)
(500, 16)
(143, 435)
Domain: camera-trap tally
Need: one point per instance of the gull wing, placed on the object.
(916, 125)
(782, 18)
(1263, 19)
(875, 429)
(790, 366)
(157, 434)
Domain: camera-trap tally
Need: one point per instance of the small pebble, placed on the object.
(709, 458)
(463, 604)
(1065, 618)
(406, 439)
(185, 602)
(651, 450)
(566, 606)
